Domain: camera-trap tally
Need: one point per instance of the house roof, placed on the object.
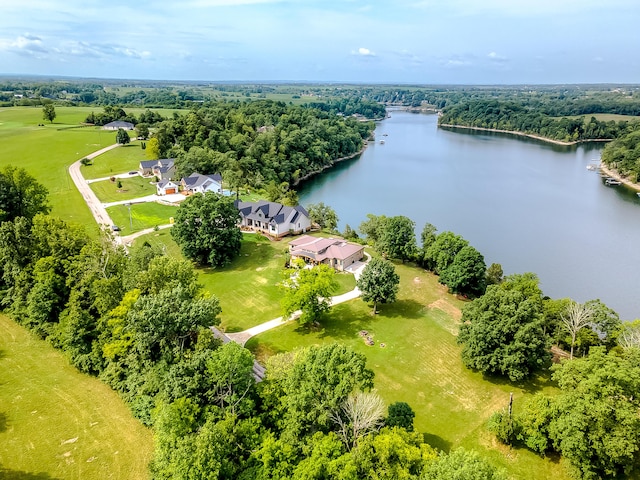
(165, 183)
(197, 180)
(119, 124)
(270, 211)
(319, 248)
(148, 163)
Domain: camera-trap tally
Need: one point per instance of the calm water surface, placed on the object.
(528, 205)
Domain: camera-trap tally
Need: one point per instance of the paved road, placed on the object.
(97, 209)
(243, 337)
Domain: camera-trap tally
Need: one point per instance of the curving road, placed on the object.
(95, 206)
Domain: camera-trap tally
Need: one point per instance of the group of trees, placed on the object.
(258, 143)
(112, 113)
(514, 116)
(141, 322)
(459, 266)
(593, 421)
(623, 155)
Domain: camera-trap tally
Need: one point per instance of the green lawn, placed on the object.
(56, 423)
(133, 187)
(47, 151)
(420, 364)
(119, 160)
(143, 215)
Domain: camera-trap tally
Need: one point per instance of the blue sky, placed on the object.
(393, 41)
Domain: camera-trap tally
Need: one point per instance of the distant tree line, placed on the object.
(513, 116)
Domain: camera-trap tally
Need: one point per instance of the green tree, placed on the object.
(20, 195)
(502, 331)
(323, 215)
(153, 149)
(206, 228)
(378, 282)
(49, 112)
(443, 250)
(122, 137)
(398, 238)
(462, 464)
(495, 274)
(349, 233)
(466, 274)
(308, 290)
(400, 414)
(142, 130)
(231, 375)
(595, 422)
(373, 227)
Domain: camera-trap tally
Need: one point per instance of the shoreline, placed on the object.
(617, 176)
(521, 134)
(337, 160)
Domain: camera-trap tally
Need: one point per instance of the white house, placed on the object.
(197, 183)
(166, 187)
(273, 218)
(164, 168)
(118, 124)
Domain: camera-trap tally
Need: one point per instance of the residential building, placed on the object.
(164, 169)
(118, 124)
(335, 252)
(197, 183)
(272, 218)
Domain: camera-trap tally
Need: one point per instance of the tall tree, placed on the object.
(206, 228)
(20, 195)
(398, 238)
(360, 414)
(323, 215)
(378, 282)
(467, 272)
(502, 331)
(122, 137)
(49, 112)
(577, 317)
(308, 290)
(443, 250)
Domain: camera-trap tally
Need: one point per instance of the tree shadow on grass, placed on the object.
(7, 474)
(437, 442)
(402, 308)
(3, 422)
(536, 383)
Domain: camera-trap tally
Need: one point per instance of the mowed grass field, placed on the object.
(133, 187)
(247, 288)
(420, 364)
(56, 423)
(143, 215)
(47, 151)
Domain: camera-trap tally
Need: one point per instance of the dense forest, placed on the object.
(259, 142)
(623, 155)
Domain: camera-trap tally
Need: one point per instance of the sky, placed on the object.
(355, 41)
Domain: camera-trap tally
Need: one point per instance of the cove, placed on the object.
(528, 205)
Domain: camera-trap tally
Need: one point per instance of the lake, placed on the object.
(528, 205)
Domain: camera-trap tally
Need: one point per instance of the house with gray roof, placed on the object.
(118, 124)
(197, 183)
(164, 168)
(335, 252)
(166, 187)
(272, 218)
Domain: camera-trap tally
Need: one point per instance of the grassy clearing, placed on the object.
(119, 160)
(133, 187)
(58, 423)
(143, 215)
(248, 288)
(420, 364)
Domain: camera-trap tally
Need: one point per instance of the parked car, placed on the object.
(133, 172)
(115, 228)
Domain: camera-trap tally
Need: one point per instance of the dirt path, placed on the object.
(95, 206)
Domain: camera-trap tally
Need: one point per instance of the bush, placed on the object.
(502, 426)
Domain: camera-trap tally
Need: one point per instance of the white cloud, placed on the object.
(495, 57)
(365, 52)
(26, 44)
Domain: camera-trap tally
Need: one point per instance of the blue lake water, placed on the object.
(528, 205)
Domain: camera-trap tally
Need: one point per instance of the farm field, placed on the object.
(57, 423)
